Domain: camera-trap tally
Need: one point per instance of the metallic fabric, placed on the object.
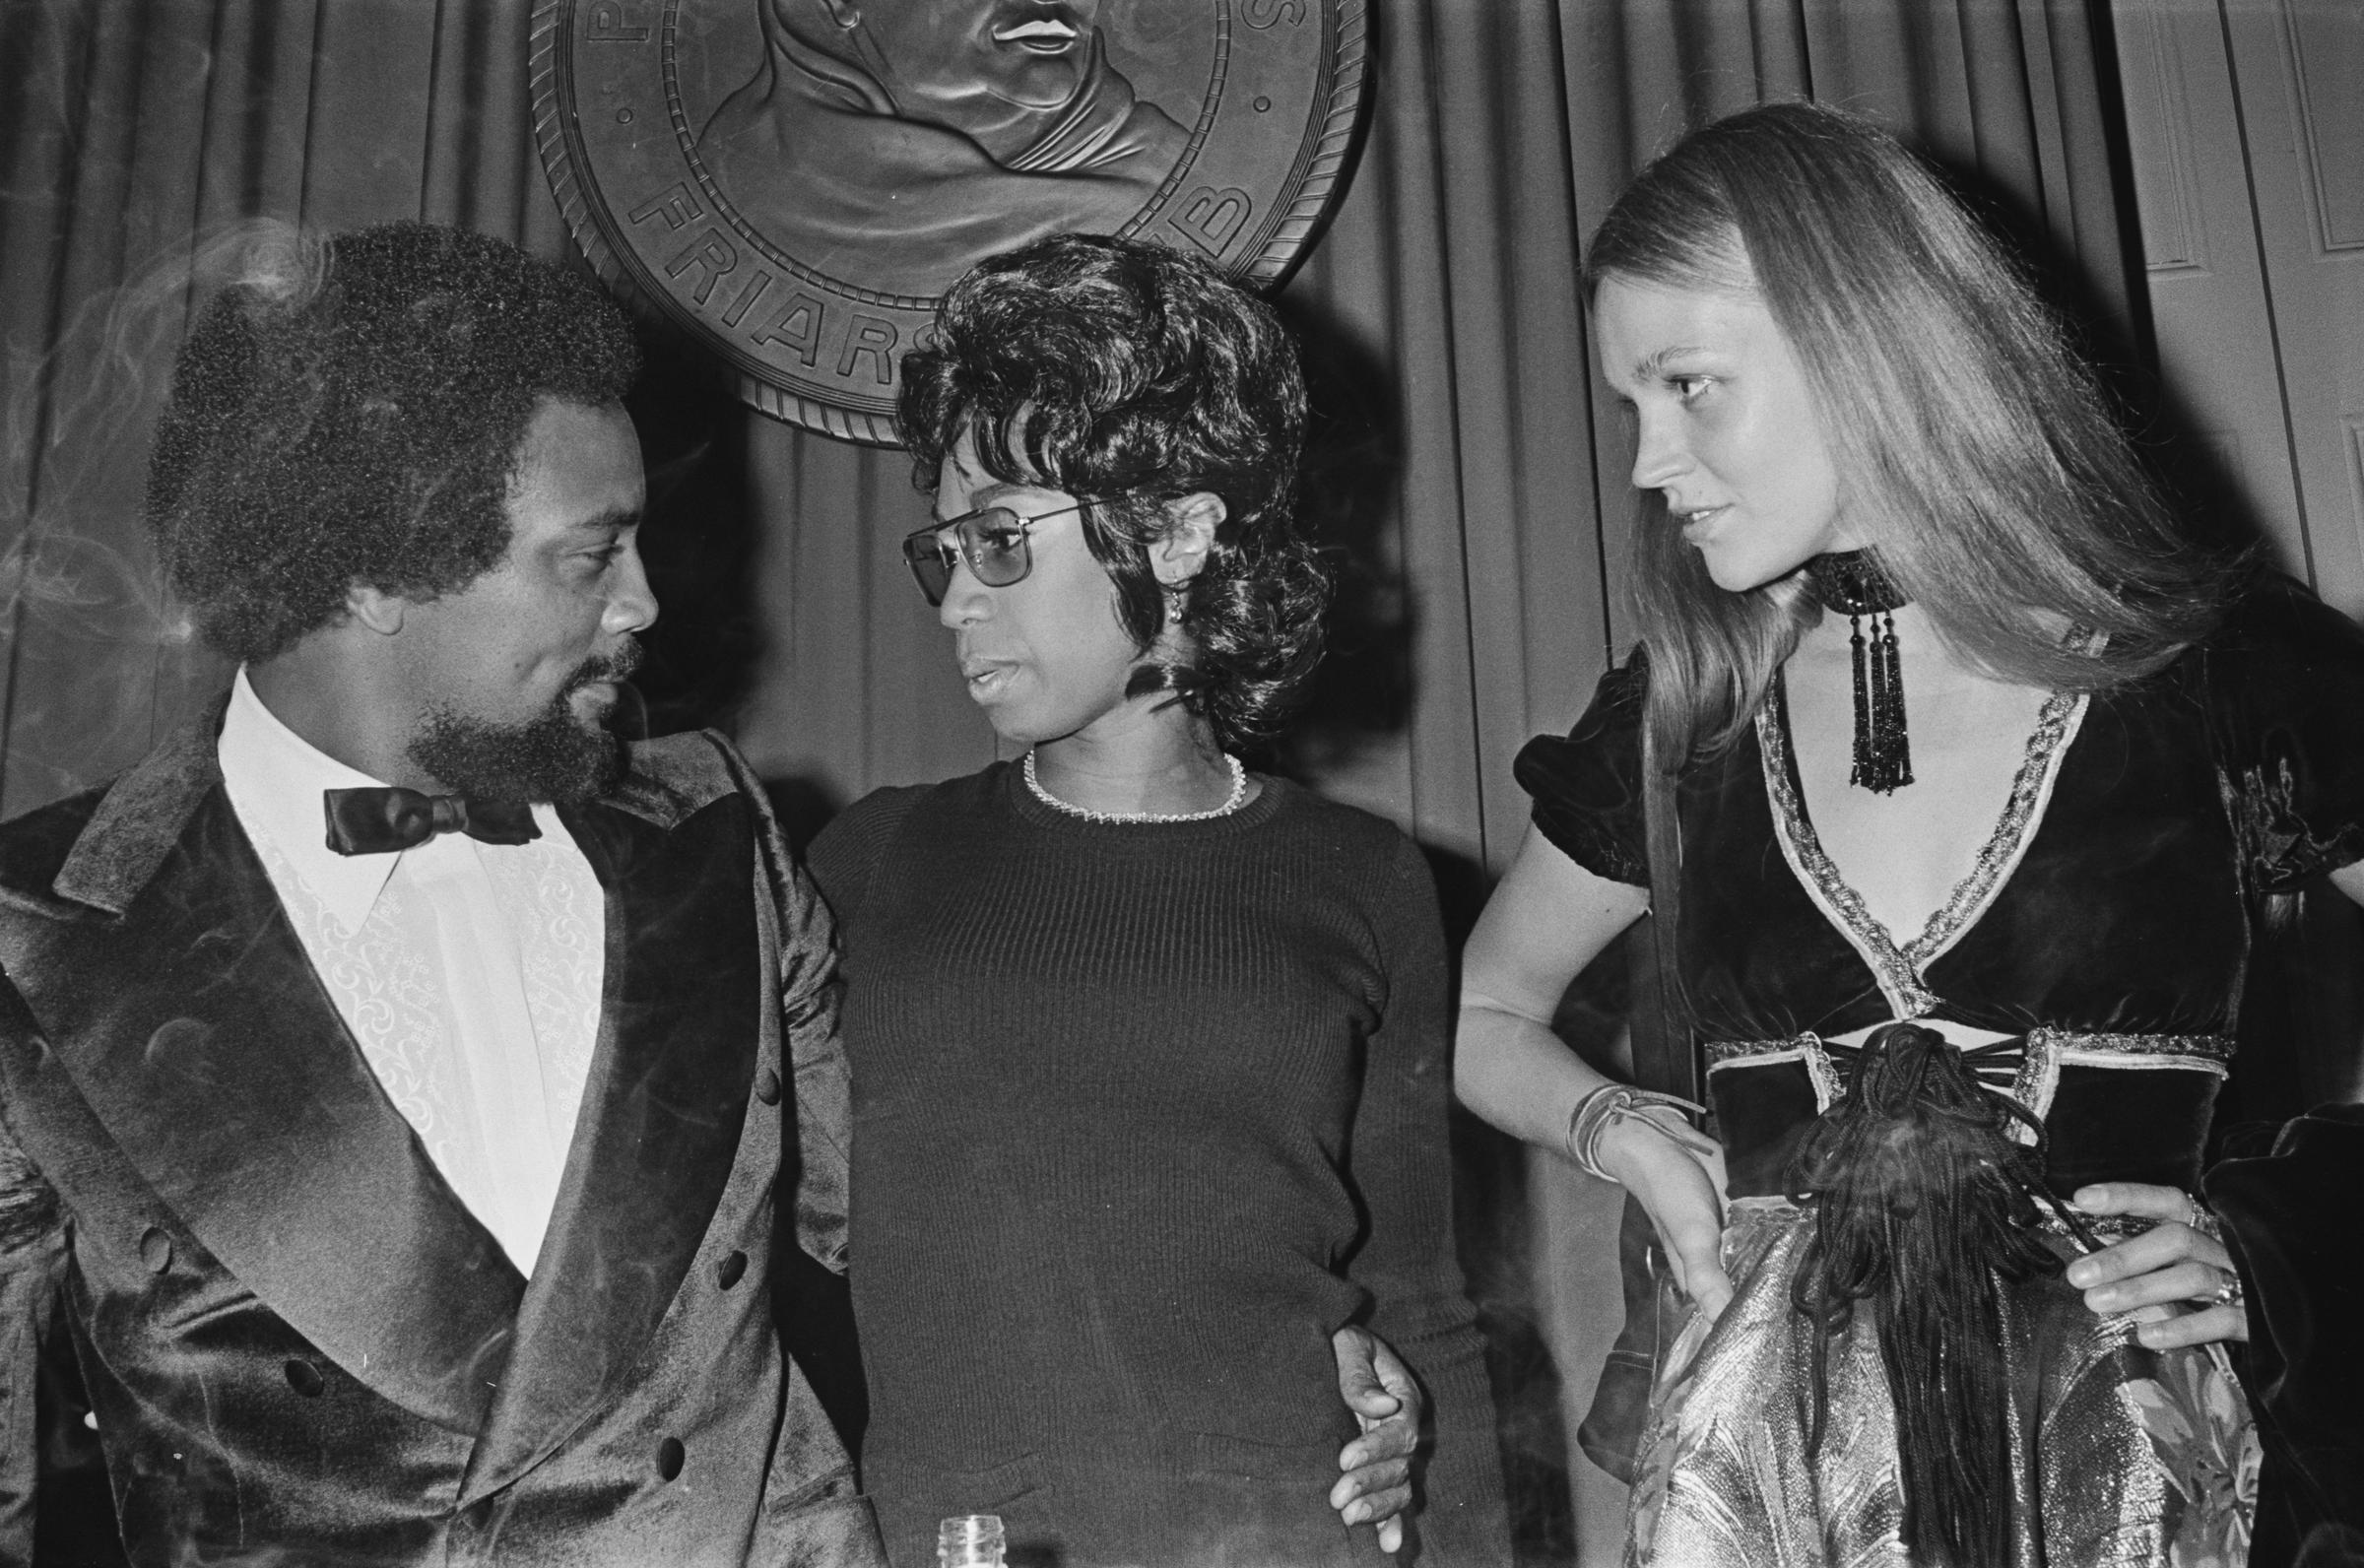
(2125, 1458)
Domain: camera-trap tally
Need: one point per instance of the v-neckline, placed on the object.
(1899, 967)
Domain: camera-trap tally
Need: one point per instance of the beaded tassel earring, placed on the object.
(1852, 583)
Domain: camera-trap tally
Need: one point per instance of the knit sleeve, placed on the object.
(2286, 686)
(845, 854)
(1588, 784)
(1402, 1164)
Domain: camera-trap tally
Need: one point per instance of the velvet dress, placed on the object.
(2104, 931)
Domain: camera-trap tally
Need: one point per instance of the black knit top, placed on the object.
(1143, 1113)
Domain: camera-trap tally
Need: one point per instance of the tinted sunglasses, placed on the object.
(991, 540)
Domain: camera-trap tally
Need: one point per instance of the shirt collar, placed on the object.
(274, 777)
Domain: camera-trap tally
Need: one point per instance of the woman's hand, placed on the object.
(1548, 919)
(1678, 1178)
(2168, 1268)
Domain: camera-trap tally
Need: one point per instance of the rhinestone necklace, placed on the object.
(1232, 801)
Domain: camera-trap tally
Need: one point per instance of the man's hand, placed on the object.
(2172, 1266)
(1378, 1388)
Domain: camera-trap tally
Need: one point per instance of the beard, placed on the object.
(551, 759)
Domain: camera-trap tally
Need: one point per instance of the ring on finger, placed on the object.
(2228, 1294)
(2202, 1219)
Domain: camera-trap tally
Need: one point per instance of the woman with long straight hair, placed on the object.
(1980, 773)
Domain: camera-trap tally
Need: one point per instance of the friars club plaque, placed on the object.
(795, 182)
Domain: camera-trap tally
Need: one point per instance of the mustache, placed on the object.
(617, 666)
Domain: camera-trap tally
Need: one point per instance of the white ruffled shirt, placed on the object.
(469, 973)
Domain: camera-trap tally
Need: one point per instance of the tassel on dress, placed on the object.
(1923, 1205)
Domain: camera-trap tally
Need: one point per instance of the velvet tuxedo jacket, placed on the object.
(299, 1344)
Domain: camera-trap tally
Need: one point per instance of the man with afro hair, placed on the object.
(397, 1072)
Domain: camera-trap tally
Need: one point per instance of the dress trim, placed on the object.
(1898, 969)
(1806, 1048)
(2031, 1079)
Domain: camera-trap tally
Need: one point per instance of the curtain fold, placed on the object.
(1500, 131)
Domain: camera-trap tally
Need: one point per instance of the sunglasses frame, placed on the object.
(924, 548)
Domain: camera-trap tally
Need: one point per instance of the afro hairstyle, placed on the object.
(351, 411)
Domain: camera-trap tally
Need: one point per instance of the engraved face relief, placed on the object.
(899, 141)
(796, 181)
(960, 64)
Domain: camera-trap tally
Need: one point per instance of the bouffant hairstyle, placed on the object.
(1973, 448)
(1130, 375)
(351, 410)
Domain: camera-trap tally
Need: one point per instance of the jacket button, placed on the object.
(768, 1086)
(669, 1457)
(733, 1267)
(156, 1250)
(304, 1378)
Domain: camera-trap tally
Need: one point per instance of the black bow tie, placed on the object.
(386, 819)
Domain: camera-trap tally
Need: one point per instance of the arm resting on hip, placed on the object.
(1548, 919)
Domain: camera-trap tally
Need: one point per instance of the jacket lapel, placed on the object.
(183, 1007)
(658, 1132)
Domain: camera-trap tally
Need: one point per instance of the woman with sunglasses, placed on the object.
(1149, 1051)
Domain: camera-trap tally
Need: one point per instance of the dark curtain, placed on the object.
(1463, 469)
(1473, 488)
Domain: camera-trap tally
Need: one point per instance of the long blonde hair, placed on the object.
(2000, 493)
